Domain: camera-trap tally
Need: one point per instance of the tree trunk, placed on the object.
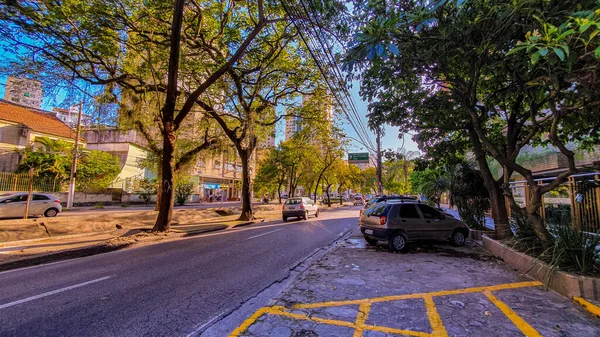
(279, 192)
(167, 195)
(246, 200)
(497, 200)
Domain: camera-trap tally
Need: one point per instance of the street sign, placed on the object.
(358, 157)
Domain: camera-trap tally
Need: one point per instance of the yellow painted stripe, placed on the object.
(525, 328)
(248, 322)
(361, 318)
(351, 325)
(590, 307)
(420, 295)
(434, 318)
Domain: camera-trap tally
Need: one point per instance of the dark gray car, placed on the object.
(399, 222)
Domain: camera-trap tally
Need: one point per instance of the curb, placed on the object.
(202, 231)
(247, 223)
(19, 242)
(591, 308)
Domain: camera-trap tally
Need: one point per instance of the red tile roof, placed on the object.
(36, 120)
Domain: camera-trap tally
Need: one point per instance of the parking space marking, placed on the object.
(591, 308)
(359, 325)
(520, 323)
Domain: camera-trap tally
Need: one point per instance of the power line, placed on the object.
(320, 51)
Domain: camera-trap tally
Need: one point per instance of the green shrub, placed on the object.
(183, 190)
(469, 195)
(99, 205)
(573, 248)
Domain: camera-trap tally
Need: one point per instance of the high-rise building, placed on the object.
(24, 92)
(293, 124)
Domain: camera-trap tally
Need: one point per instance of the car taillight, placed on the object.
(57, 201)
(382, 220)
(361, 212)
(282, 207)
(301, 206)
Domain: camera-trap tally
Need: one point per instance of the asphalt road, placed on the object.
(167, 289)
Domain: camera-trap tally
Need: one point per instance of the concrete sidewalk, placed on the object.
(433, 290)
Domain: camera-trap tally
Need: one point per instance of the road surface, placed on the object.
(167, 289)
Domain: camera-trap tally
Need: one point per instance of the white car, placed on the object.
(12, 205)
(299, 208)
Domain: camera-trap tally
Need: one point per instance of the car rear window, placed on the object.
(378, 210)
(293, 201)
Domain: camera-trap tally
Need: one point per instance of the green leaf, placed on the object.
(564, 34)
(584, 27)
(543, 52)
(535, 57)
(597, 52)
(559, 53)
(566, 49)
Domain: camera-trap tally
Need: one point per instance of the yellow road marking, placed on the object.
(591, 308)
(248, 322)
(365, 306)
(525, 328)
(419, 295)
(361, 318)
(434, 317)
(281, 312)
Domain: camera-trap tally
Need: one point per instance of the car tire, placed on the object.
(371, 242)
(317, 214)
(51, 213)
(285, 218)
(458, 238)
(305, 217)
(396, 242)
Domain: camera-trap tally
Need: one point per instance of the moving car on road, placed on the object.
(358, 201)
(299, 208)
(12, 205)
(399, 222)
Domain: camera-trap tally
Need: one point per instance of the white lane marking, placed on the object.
(255, 236)
(193, 333)
(53, 292)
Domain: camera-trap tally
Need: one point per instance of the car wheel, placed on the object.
(397, 242)
(305, 217)
(285, 218)
(371, 242)
(51, 213)
(317, 214)
(458, 238)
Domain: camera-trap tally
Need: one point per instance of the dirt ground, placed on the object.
(20, 229)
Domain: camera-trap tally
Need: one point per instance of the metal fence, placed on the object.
(576, 201)
(19, 182)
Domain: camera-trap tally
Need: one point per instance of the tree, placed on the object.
(275, 71)
(445, 71)
(272, 173)
(431, 183)
(52, 159)
(96, 170)
(138, 53)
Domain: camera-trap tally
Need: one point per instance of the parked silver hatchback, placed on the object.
(12, 205)
(299, 208)
(399, 222)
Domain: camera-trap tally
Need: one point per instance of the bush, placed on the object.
(573, 248)
(183, 190)
(147, 190)
(469, 195)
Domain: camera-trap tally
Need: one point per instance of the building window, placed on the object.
(217, 164)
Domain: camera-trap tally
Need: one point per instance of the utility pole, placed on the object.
(75, 155)
(379, 166)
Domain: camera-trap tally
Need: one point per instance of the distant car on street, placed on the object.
(299, 208)
(400, 221)
(358, 201)
(12, 205)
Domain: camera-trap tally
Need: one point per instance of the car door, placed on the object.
(39, 203)
(411, 222)
(14, 207)
(434, 222)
